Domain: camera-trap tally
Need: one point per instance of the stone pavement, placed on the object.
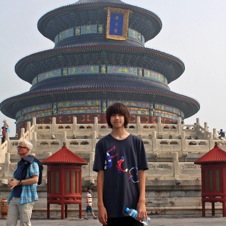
(155, 221)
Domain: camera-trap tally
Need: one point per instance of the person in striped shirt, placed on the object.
(89, 204)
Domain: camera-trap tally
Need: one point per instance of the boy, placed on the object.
(120, 161)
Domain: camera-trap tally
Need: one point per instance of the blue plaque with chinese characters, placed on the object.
(117, 24)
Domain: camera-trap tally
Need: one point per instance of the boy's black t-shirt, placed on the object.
(120, 160)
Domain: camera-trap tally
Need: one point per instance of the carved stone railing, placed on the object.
(165, 144)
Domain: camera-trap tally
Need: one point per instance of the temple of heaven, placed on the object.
(99, 58)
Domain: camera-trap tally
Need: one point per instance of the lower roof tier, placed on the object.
(100, 87)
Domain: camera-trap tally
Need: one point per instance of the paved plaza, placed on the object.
(156, 221)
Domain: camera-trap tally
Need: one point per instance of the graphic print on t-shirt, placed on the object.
(133, 175)
(108, 160)
(119, 164)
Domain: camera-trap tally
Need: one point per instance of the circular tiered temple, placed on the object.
(99, 58)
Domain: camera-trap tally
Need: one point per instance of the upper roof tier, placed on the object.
(86, 12)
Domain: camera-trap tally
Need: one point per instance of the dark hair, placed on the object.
(117, 108)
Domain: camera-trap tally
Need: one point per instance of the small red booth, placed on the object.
(213, 172)
(64, 180)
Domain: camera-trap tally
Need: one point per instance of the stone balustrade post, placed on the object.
(211, 142)
(197, 121)
(179, 125)
(7, 137)
(215, 134)
(34, 121)
(94, 141)
(92, 154)
(6, 168)
(154, 141)
(176, 166)
(28, 129)
(206, 132)
(28, 126)
(34, 141)
(183, 143)
(4, 149)
(96, 124)
(53, 127)
(159, 125)
(74, 120)
(65, 139)
(22, 132)
(138, 126)
(74, 127)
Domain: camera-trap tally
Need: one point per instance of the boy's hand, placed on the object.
(142, 213)
(102, 215)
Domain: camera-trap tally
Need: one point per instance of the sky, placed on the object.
(193, 31)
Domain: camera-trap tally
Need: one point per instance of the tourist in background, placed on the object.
(5, 124)
(23, 187)
(4, 133)
(5, 130)
(221, 134)
(120, 161)
(89, 204)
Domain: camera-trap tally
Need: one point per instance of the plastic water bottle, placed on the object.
(133, 213)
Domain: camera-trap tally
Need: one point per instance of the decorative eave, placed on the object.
(55, 21)
(215, 155)
(166, 64)
(64, 156)
(10, 106)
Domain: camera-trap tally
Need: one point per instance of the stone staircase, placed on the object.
(173, 180)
